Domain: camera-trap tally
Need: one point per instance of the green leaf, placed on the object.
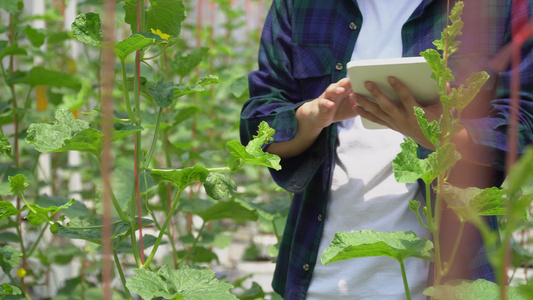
(10, 290)
(11, 6)
(465, 289)
(254, 292)
(44, 214)
(64, 134)
(5, 146)
(521, 173)
(471, 202)
(253, 152)
(408, 168)
(123, 130)
(188, 282)
(398, 245)
(218, 186)
(209, 211)
(186, 113)
(18, 184)
(181, 178)
(89, 228)
(59, 255)
(198, 255)
(239, 86)
(9, 258)
(438, 65)
(162, 93)
(198, 87)
(87, 28)
(41, 76)
(276, 208)
(460, 97)
(36, 36)
(432, 130)
(165, 15)
(447, 43)
(136, 42)
(7, 209)
(6, 50)
(183, 64)
(126, 248)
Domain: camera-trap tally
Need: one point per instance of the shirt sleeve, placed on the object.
(275, 94)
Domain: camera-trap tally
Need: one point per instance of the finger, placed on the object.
(369, 116)
(385, 109)
(406, 97)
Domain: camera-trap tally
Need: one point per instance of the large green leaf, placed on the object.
(209, 211)
(218, 186)
(87, 28)
(472, 201)
(7, 209)
(162, 93)
(465, 289)
(188, 282)
(9, 258)
(41, 76)
(408, 168)
(36, 36)
(136, 42)
(89, 228)
(63, 132)
(182, 90)
(6, 50)
(181, 178)
(11, 6)
(77, 208)
(184, 64)
(398, 245)
(165, 15)
(460, 97)
(432, 130)
(39, 215)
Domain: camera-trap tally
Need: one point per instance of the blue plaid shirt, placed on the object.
(306, 45)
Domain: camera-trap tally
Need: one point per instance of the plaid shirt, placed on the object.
(305, 46)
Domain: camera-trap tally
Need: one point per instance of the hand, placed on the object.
(337, 103)
(397, 116)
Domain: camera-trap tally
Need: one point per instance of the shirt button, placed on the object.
(338, 66)
(353, 26)
(306, 267)
(320, 218)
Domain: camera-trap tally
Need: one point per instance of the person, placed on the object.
(339, 172)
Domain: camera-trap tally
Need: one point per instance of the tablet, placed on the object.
(413, 72)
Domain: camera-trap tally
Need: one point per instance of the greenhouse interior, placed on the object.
(123, 174)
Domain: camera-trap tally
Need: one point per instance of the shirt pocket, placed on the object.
(312, 68)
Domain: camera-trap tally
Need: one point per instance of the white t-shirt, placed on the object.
(364, 193)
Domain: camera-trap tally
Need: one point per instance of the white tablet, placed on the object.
(413, 72)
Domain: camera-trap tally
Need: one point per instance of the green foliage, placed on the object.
(8, 289)
(188, 282)
(18, 185)
(253, 152)
(165, 15)
(38, 215)
(398, 245)
(218, 186)
(87, 28)
(463, 289)
(9, 258)
(7, 209)
(41, 76)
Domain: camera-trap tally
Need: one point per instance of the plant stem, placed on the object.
(405, 284)
(454, 249)
(121, 274)
(34, 246)
(194, 243)
(163, 230)
(154, 139)
(126, 92)
(122, 215)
